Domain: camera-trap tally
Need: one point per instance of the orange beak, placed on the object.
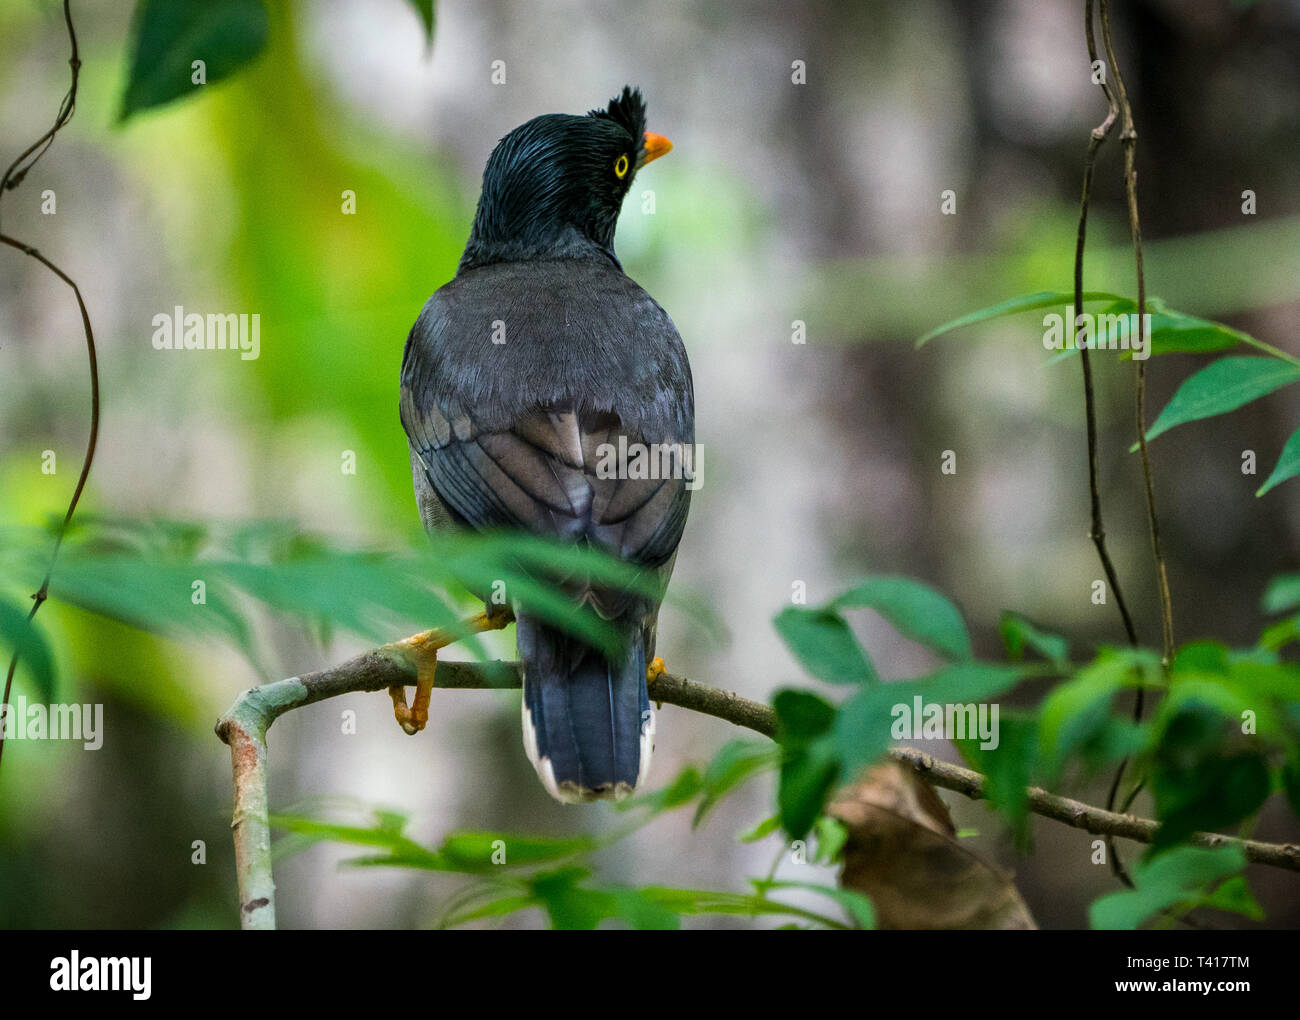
(655, 146)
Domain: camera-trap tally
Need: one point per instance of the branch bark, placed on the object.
(245, 725)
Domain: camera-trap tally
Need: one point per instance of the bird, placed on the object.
(520, 374)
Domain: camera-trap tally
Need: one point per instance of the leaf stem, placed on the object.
(1269, 349)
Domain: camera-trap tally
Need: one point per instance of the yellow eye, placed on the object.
(620, 168)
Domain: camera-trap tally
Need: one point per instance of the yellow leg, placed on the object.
(422, 651)
(653, 671)
(416, 717)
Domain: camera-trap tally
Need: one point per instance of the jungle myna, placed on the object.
(536, 360)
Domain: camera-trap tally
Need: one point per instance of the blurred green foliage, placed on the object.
(1225, 735)
(509, 873)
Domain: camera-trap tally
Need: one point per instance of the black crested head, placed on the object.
(553, 186)
(626, 110)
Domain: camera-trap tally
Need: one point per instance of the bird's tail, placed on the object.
(588, 725)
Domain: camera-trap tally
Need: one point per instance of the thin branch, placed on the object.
(18, 169)
(245, 725)
(13, 176)
(1098, 532)
(1128, 138)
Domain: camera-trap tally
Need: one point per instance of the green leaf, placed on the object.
(1018, 634)
(642, 912)
(1247, 688)
(1234, 895)
(1278, 635)
(855, 904)
(1175, 333)
(808, 775)
(1109, 329)
(1211, 794)
(685, 787)
(169, 35)
(424, 8)
(1179, 878)
(402, 851)
(1171, 332)
(1282, 594)
(1008, 768)
(482, 851)
(806, 780)
(144, 572)
(499, 907)
(1076, 715)
(1288, 464)
(573, 906)
(824, 645)
(831, 836)
(516, 552)
(736, 762)
(874, 717)
(465, 852)
(916, 610)
(21, 637)
(699, 901)
(1223, 386)
(762, 830)
(152, 595)
(801, 717)
(1205, 773)
(1201, 656)
(1020, 303)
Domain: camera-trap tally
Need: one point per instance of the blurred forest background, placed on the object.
(818, 203)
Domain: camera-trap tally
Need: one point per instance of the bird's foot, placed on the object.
(422, 651)
(655, 669)
(415, 717)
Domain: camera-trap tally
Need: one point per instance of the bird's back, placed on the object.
(543, 391)
(518, 376)
(507, 338)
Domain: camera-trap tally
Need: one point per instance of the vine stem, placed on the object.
(244, 728)
(1097, 528)
(13, 176)
(1128, 138)
(1097, 136)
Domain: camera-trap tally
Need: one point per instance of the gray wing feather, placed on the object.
(510, 436)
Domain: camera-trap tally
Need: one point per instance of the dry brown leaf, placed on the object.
(903, 852)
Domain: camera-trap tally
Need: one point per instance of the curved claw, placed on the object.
(422, 650)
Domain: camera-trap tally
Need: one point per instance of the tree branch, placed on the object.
(244, 728)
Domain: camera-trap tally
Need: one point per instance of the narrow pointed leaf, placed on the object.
(1288, 465)
(1223, 386)
(1011, 306)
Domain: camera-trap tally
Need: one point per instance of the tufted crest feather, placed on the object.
(627, 111)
